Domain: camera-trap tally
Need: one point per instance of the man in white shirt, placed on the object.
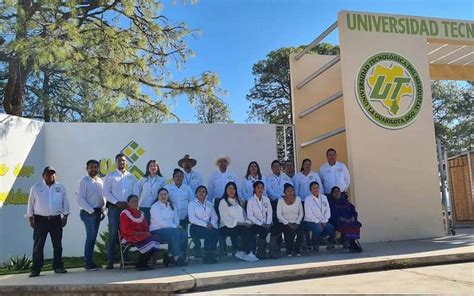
(219, 179)
(334, 173)
(118, 185)
(191, 178)
(290, 171)
(90, 197)
(47, 212)
(275, 183)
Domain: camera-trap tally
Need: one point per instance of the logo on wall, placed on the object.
(389, 90)
(133, 151)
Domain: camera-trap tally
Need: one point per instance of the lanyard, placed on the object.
(152, 183)
(204, 207)
(278, 179)
(320, 207)
(188, 180)
(264, 214)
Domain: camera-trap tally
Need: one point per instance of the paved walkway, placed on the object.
(439, 279)
(196, 276)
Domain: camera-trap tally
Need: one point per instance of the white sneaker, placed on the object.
(240, 255)
(251, 257)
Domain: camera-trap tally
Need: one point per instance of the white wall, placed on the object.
(67, 147)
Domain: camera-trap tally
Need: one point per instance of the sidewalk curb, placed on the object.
(203, 283)
(288, 274)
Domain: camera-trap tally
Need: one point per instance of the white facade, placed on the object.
(67, 147)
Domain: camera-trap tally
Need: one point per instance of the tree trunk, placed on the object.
(15, 88)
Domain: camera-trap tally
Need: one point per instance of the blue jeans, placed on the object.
(318, 231)
(175, 237)
(114, 219)
(91, 223)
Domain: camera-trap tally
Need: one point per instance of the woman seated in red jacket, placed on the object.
(134, 230)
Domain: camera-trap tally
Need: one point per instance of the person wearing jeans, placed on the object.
(164, 222)
(90, 198)
(317, 213)
(118, 185)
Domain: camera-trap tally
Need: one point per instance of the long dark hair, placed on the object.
(302, 163)
(226, 197)
(147, 171)
(169, 200)
(259, 174)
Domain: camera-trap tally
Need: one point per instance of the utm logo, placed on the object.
(389, 90)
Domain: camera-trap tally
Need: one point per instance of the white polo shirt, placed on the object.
(336, 175)
(47, 200)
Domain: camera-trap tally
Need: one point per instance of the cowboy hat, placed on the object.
(187, 158)
(220, 157)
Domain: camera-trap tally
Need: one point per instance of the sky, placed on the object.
(236, 34)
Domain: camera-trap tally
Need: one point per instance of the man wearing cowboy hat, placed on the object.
(191, 178)
(219, 179)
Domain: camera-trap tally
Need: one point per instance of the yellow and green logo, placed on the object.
(132, 151)
(389, 90)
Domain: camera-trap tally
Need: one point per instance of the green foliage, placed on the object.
(213, 110)
(271, 94)
(100, 251)
(94, 61)
(18, 263)
(452, 112)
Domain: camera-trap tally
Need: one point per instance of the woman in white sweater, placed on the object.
(316, 219)
(233, 223)
(290, 215)
(164, 222)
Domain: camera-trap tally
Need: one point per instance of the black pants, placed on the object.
(259, 231)
(43, 226)
(210, 236)
(290, 235)
(245, 234)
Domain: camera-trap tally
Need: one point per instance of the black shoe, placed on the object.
(34, 274)
(91, 267)
(110, 265)
(181, 262)
(166, 259)
(141, 268)
(60, 270)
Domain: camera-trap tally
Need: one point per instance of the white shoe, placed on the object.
(251, 257)
(240, 255)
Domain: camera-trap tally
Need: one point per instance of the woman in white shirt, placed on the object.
(233, 223)
(203, 219)
(148, 187)
(290, 215)
(259, 212)
(304, 178)
(164, 222)
(180, 195)
(253, 174)
(317, 213)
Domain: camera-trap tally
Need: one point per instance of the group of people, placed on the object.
(304, 207)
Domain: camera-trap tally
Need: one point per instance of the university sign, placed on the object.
(389, 90)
